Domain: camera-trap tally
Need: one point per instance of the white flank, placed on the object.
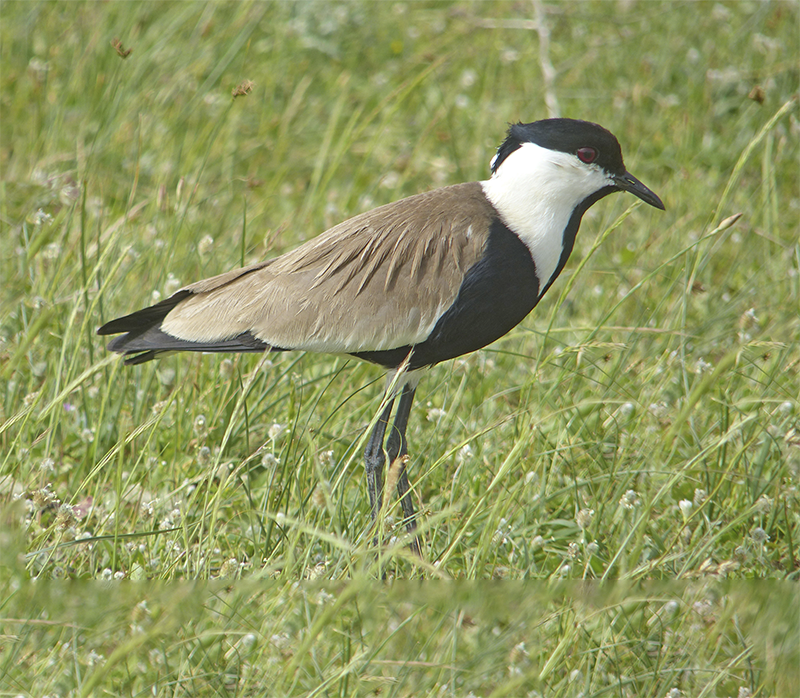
(535, 190)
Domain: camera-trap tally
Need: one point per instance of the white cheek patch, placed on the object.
(535, 190)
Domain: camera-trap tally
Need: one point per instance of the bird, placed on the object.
(409, 284)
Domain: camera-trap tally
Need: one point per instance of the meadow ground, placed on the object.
(627, 460)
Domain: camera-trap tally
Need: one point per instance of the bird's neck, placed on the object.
(536, 191)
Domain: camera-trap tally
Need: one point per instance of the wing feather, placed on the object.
(378, 281)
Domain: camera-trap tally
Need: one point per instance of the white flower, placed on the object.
(204, 455)
(172, 284)
(270, 460)
(509, 55)
(390, 180)
(94, 658)
(435, 414)
(763, 504)
(40, 217)
(200, 424)
(323, 597)
(52, 251)
(686, 507)
(702, 366)
(659, 410)
(226, 368)
(275, 431)
(205, 245)
(629, 500)
(465, 453)
(584, 518)
(468, 78)
(166, 376)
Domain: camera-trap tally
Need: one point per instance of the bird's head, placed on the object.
(578, 158)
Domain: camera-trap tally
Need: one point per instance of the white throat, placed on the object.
(535, 191)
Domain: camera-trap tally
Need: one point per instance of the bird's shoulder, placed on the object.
(445, 227)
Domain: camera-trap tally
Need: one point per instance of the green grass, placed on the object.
(641, 426)
(362, 639)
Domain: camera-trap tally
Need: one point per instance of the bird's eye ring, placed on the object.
(587, 155)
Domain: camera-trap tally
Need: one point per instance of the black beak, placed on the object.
(627, 182)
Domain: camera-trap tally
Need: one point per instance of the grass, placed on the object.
(640, 428)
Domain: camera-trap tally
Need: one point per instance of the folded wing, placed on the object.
(378, 281)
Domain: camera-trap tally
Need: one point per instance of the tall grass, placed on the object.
(640, 426)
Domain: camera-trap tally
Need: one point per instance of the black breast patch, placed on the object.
(495, 296)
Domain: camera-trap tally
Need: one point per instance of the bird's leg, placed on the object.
(396, 449)
(373, 461)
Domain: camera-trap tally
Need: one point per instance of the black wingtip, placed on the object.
(141, 338)
(144, 319)
(144, 357)
(154, 343)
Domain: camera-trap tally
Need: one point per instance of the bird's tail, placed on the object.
(142, 338)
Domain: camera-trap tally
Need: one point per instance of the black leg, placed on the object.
(373, 461)
(396, 449)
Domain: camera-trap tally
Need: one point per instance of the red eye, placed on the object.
(587, 155)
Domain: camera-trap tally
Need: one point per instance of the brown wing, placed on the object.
(377, 281)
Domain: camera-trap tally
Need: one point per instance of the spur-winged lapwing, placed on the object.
(409, 284)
